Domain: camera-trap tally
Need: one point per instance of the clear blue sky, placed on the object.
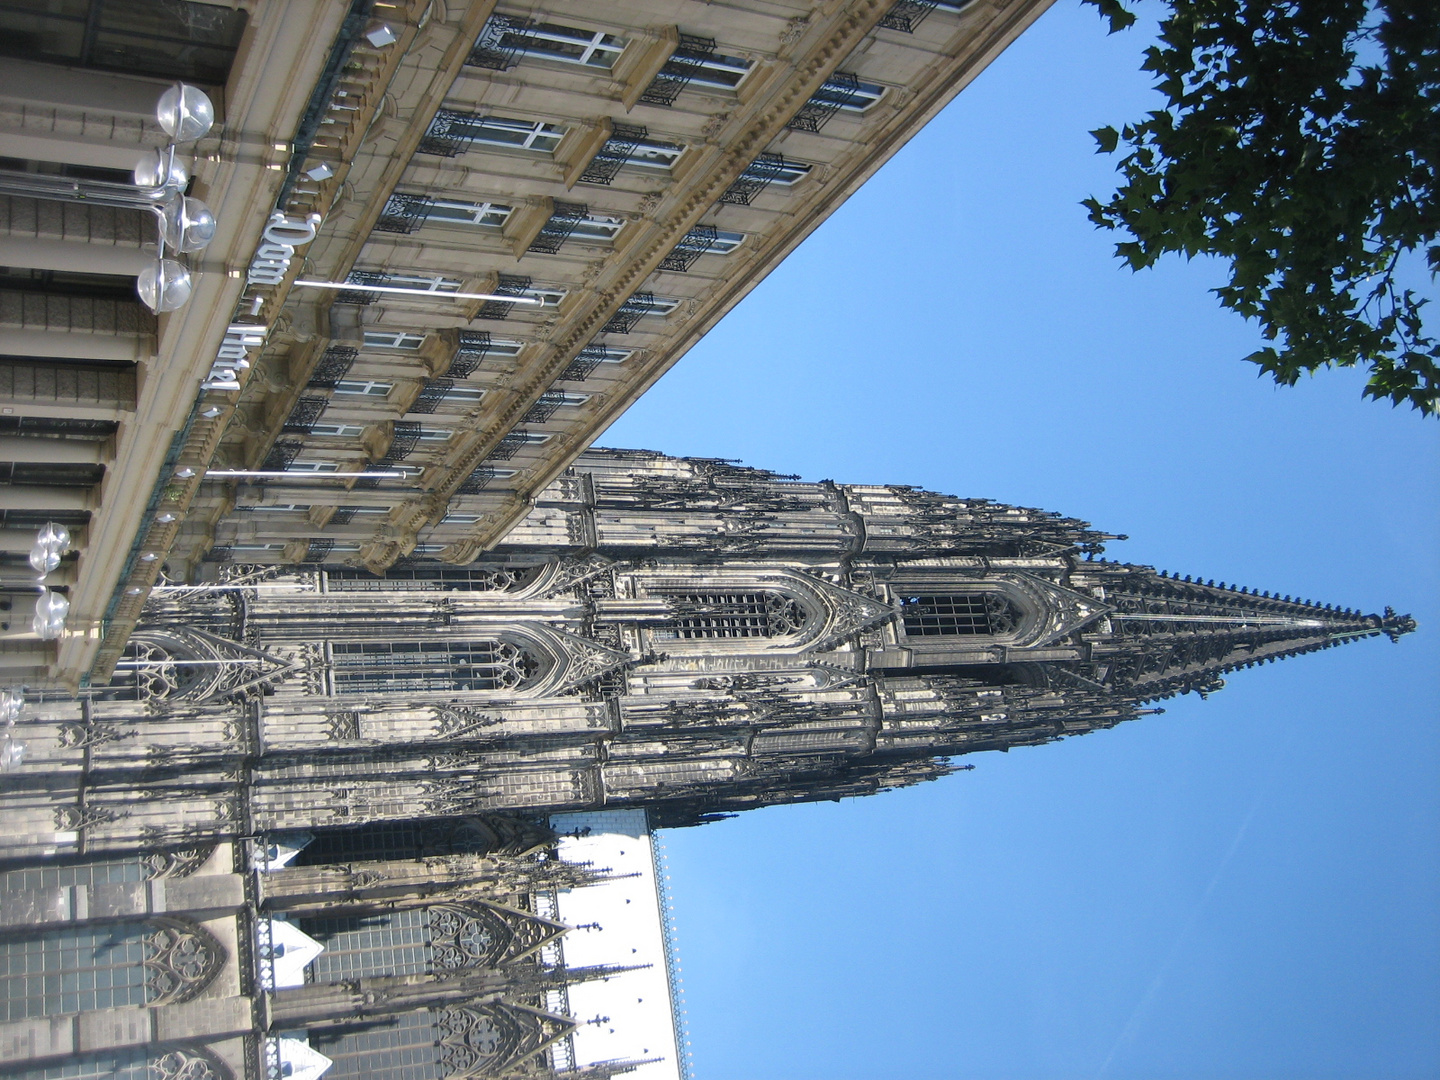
(1246, 887)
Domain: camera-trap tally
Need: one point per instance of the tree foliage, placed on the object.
(1298, 141)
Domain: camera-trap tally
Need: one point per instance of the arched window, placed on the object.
(363, 666)
(958, 614)
(163, 1061)
(79, 969)
(763, 613)
(433, 576)
(417, 941)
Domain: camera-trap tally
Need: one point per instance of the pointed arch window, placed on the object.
(762, 613)
(417, 941)
(976, 614)
(366, 666)
(79, 969)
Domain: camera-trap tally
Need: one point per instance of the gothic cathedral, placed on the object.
(290, 758)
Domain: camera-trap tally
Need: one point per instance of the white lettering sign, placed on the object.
(283, 234)
(233, 356)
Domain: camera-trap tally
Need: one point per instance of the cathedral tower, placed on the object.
(682, 635)
(317, 820)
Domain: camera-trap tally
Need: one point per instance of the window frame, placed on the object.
(478, 213)
(534, 132)
(345, 431)
(590, 43)
(342, 386)
(370, 340)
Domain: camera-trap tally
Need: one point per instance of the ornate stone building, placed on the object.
(682, 637)
(453, 241)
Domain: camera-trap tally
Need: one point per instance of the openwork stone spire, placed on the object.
(685, 635)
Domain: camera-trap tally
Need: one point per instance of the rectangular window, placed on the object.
(459, 519)
(74, 970)
(464, 393)
(789, 172)
(405, 1047)
(958, 615)
(393, 339)
(725, 242)
(654, 154)
(312, 467)
(536, 135)
(457, 212)
(391, 666)
(338, 431)
(174, 40)
(420, 282)
(718, 70)
(364, 387)
(608, 354)
(435, 434)
(861, 97)
(655, 305)
(393, 943)
(548, 295)
(277, 508)
(598, 228)
(732, 615)
(564, 398)
(571, 45)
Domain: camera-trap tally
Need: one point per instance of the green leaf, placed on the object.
(1108, 138)
(1311, 175)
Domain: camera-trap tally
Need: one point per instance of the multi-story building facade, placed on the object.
(453, 242)
(674, 638)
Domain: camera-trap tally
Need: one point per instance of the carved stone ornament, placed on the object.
(186, 1063)
(850, 613)
(567, 573)
(459, 722)
(1064, 610)
(585, 660)
(195, 665)
(179, 863)
(77, 818)
(484, 935)
(343, 724)
(74, 735)
(182, 957)
(488, 1040)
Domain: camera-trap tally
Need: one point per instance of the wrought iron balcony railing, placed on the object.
(834, 94)
(612, 156)
(906, 15)
(303, 416)
(501, 38)
(562, 224)
(404, 213)
(755, 179)
(474, 345)
(631, 312)
(508, 285)
(687, 61)
(584, 364)
(690, 247)
(334, 365)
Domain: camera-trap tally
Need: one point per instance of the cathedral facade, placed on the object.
(375, 764)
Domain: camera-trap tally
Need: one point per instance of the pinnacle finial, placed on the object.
(1395, 626)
